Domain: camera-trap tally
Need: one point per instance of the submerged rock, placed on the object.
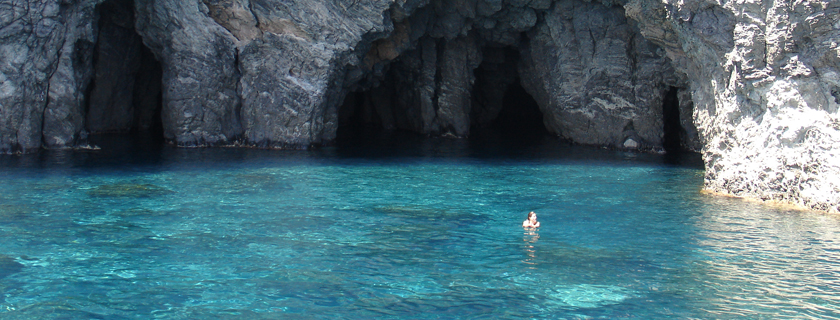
(8, 266)
(422, 213)
(587, 296)
(128, 190)
(11, 212)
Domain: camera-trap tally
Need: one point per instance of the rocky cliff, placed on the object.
(764, 81)
(754, 84)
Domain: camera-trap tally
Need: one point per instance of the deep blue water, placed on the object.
(398, 228)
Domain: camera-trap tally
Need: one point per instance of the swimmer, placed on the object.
(531, 221)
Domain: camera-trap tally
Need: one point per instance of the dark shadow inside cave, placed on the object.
(520, 116)
(675, 140)
(361, 131)
(502, 109)
(125, 95)
(673, 130)
(356, 118)
(502, 112)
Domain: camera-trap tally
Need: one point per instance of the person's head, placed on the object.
(532, 216)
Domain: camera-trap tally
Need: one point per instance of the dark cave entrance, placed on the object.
(502, 108)
(672, 127)
(125, 95)
(355, 115)
(520, 116)
(500, 111)
(358, 120)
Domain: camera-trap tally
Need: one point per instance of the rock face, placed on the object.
(46, 50)
(764, 80)
(598, 82)
(293, 73)
(268, 74)
(200, 73)
(595, 78)
(755, 85)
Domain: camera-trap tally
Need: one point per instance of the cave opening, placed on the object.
(349, 124)
(502, 108)
(357, 119)
(672, 128)
(520, 116)
(125, 95)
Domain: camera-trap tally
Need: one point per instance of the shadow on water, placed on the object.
(139, 152)
(112, 150)
(491, 145)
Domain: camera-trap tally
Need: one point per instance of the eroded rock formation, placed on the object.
(756, 85)
(46, 50)
(764, 82)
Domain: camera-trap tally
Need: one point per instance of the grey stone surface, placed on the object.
(44, 60)
(200, 73)
(428, 89)
(690, 140)
(63, 120)
(217, 90)
(596, 80)
(763, 80)
(292, 70)
(284, 84)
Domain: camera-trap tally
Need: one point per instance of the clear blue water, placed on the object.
(424, 229)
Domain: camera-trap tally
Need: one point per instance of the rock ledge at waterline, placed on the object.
(757, 83)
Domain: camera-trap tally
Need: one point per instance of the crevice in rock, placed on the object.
(125, 95)
(148, 97)
(673, 130)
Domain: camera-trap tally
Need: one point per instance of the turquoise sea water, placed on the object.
(419, 229)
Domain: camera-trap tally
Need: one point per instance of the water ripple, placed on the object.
(198, 235)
